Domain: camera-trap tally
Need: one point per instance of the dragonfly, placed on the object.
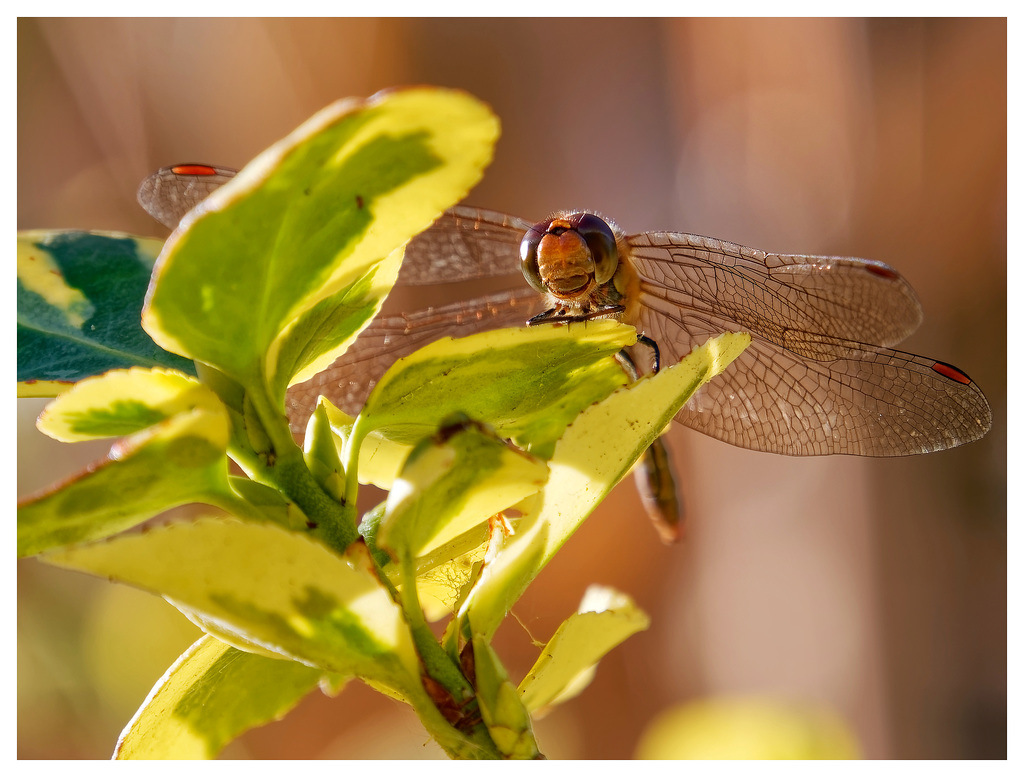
(820, 376)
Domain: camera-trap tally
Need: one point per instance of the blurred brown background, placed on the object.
(876, 588)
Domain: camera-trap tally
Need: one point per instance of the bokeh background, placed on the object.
(872, 589)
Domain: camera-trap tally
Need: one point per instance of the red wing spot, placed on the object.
(951, 372)
(882, 271)
(194, 170)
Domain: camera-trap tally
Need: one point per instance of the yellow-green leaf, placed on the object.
(747, 728)
(122, 402)
(442, 574)
(253, 276)
(380, 458)
(597, 450)
(567, 664)
(322, 454)
(507, 720)
(451, 482)
(264, 586)
(326, 330)
(527, 383)
(209, 696)
(174, 462)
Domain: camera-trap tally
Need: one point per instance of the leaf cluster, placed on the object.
(493, 448)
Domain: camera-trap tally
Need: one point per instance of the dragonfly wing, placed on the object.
(171, 192)
(873, 402)
(806, 385)
(781, 296)
(349, 380)
(464, 244)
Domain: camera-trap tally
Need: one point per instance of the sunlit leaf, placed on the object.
(174, 462)
(597, 450)
(528, 384)
(79, 308)
(122, 402)
(440, 574)
(328, 328)
(747, 728)
(451, 482)
(566, 665)
(209, 696)
(380, 458)
(257, 585)
(321, 453)
(266, 262)
(506, 718)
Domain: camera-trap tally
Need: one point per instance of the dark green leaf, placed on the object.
(80, 300)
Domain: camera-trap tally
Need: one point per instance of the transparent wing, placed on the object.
(464, 244)
(349, 380)
(784, 296)
(816, 378)
(171, 192)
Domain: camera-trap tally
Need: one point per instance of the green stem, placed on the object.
(230, 502)
(475, 744)
(475, 741)
(333, 523)
(436, 661)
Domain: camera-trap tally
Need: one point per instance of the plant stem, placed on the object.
(475, 744)
(474, 741)
(230, 502)
(333, 523)
(437, 663)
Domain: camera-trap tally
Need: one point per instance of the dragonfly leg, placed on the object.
(548, 315)
(563, 315)
(655, 481)
(645, 340)
(656, 484)
(628, 364)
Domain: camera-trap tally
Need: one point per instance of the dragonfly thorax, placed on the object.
(569, 256)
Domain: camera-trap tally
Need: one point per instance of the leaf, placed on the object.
(79, 308)
(175, 462)
(122, 402)
(321, 454)
(451, 482)
(506, 718)
(257, 585)
(266, 502)
(211, 694)
(747, 728)
(380, 458)
(527, 383)
(441, 576)
(326, 330)
(242, 283)
(567, 664)
(597, 450)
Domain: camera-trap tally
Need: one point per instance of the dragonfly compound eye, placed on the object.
(528, 250)
(569, 256)
(601, 241)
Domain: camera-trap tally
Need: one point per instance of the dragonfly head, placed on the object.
(569, 256)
